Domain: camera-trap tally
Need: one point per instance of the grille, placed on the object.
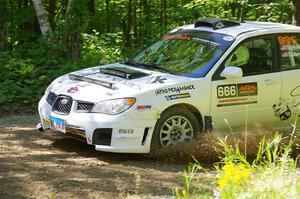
(51, 98)
(62, 105)
(84, 106)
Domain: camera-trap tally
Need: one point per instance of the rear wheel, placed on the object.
(176, 126)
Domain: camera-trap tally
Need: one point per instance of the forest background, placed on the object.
(43, 39)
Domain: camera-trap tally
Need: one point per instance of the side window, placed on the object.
(253, 56)
(289, 51)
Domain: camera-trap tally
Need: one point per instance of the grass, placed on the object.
(272, 173)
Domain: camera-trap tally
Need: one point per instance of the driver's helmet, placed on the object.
(240, 57)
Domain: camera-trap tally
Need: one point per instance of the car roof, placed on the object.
(237, 29)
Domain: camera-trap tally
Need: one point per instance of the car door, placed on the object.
(249, 98)
(287, 107)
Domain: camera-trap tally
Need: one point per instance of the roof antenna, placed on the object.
(242, 12)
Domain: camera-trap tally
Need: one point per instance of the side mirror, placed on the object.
(232, 72)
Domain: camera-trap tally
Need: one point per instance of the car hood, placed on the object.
(113, 81)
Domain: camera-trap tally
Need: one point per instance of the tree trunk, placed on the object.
(73, 24)
(195, 11)
(42, 16)
(135, 26)
(161, 13)
(107, 13)
(91, 6)
(52, 12)
(126, 36)
(4, 26)
(113, 18)
(75, 46)
(165, 13)
(129, 21)
(147, 27)
(296, 18)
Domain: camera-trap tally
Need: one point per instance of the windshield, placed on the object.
(187, 53)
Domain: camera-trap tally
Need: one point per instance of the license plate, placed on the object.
(58, 124)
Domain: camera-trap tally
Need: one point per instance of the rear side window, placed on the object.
(289, 51)
(254, 56)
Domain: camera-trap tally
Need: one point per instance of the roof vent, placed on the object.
(215, 23)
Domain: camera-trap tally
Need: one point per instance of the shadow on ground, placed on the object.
(43, 166)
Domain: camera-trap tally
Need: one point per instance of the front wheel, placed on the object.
(176, 126)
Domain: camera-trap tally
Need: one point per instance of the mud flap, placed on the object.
(39, 127)
(208, 123)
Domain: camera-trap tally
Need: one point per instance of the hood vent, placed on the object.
(126, 73)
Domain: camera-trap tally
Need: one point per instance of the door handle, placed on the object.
(269, 82)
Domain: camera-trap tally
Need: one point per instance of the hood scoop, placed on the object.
(126, 73)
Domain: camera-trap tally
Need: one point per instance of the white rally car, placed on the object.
(214, 74)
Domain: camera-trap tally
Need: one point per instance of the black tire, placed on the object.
(159, 139)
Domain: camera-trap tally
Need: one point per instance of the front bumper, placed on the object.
(129, 132)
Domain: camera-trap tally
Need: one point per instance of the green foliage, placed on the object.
(272, 174)
(276, 11)
(101, 49)
(26, 72)
(88, 33)
(192, 187)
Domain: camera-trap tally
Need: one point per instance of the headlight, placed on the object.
(113, 107)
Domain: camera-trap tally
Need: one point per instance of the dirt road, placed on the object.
(33, 165)
(50, 165)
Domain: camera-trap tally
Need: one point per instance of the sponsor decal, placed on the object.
(205, 41)
(143, 107)
(237, 94)
(287, 106)
(289, 46)
(283, 48)
(237, 90)
(73, 90)
(118, 80)
(247, 89)
(158, 79)
(295, 92)
(177, 96)
(126, 131)
(282, 110)
(180, 37)
(237, 101)
(287, 40)
(285, 55)
(184, 37)
(293, 54)
(177, 90)
(292, 47)
(227, 38)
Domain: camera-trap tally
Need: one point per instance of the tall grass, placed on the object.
(272, 173)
